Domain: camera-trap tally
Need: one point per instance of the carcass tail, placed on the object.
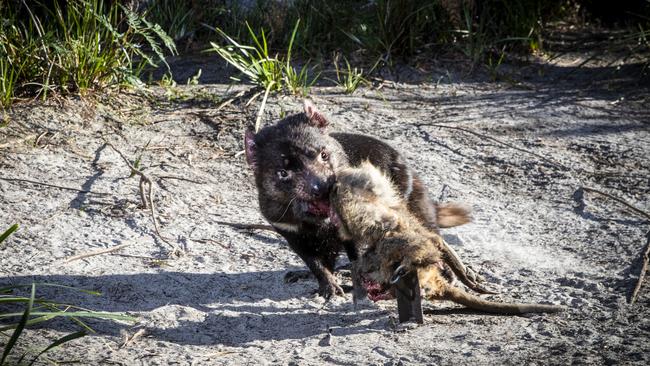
(474, 302)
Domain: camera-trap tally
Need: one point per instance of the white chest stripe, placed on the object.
(285, 227)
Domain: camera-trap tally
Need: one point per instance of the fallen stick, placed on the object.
(549, 160)
(180, 178)
(646, 253)
(619, 200)
(644, 269)
(230, 100)
(129, 340)
(237, 225)
(260, 112)
(140, 257)
(556, 163)
(147, 199)
(96, 252)
(38, 139)
(54, 186)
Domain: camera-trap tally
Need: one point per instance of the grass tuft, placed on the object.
(74, 46)
(350, 78)
(254, 62)
(272, 73)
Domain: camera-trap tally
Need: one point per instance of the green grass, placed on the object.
(93, 44)
(86, 46)
(349, 79)
(177, 18)
(38, 310)
(9, 231)
(388, 30)
(412, 30)
(297, 81)
(255, 62)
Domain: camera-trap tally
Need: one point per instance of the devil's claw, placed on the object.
(329, 289)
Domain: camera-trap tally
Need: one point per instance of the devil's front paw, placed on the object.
(329, 289)
(295, 276)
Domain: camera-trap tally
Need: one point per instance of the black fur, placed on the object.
(293, 145)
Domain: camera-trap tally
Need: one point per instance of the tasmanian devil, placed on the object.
(392, 242)
(295, 163)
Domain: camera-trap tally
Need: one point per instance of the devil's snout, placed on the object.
(318, 188)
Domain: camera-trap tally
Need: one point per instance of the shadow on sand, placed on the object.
(214, 308)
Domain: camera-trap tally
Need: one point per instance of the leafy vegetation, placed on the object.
(177, 18)
(350, 78)
(74, 47)
(78, 46)
(390, 31)
(254, 62)
(273, 73)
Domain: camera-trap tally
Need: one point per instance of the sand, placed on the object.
(536, 237)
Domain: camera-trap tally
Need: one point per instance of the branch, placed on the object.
(54, 186)
(237, 225)
(644, 269)
(619, 200)
(181, 178)
(148, 199)
(96, 252)
(548, 160)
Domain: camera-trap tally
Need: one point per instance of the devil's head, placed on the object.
(294, 162)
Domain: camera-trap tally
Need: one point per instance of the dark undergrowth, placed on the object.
(77, 46)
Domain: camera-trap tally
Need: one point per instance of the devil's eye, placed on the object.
(283, 174)
(324, 155)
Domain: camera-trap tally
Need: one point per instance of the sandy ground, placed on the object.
(536, 237)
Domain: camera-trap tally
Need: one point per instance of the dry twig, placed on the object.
(38, 139)
(146, 257)
(240, 95)
(544, 158)
(129, 340)
(260, 112)
(619, 200)
(644, 268)
(180, 178)
(237, 225)
(96, 252)
(54, 186)
(147, 199)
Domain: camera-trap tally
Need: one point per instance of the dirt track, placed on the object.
(536, 236)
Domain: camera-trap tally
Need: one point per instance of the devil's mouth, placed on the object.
(376, 291)
(334, 217)
(319, 208)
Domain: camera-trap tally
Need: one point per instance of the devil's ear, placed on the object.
(250, 148)
(316, 118)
